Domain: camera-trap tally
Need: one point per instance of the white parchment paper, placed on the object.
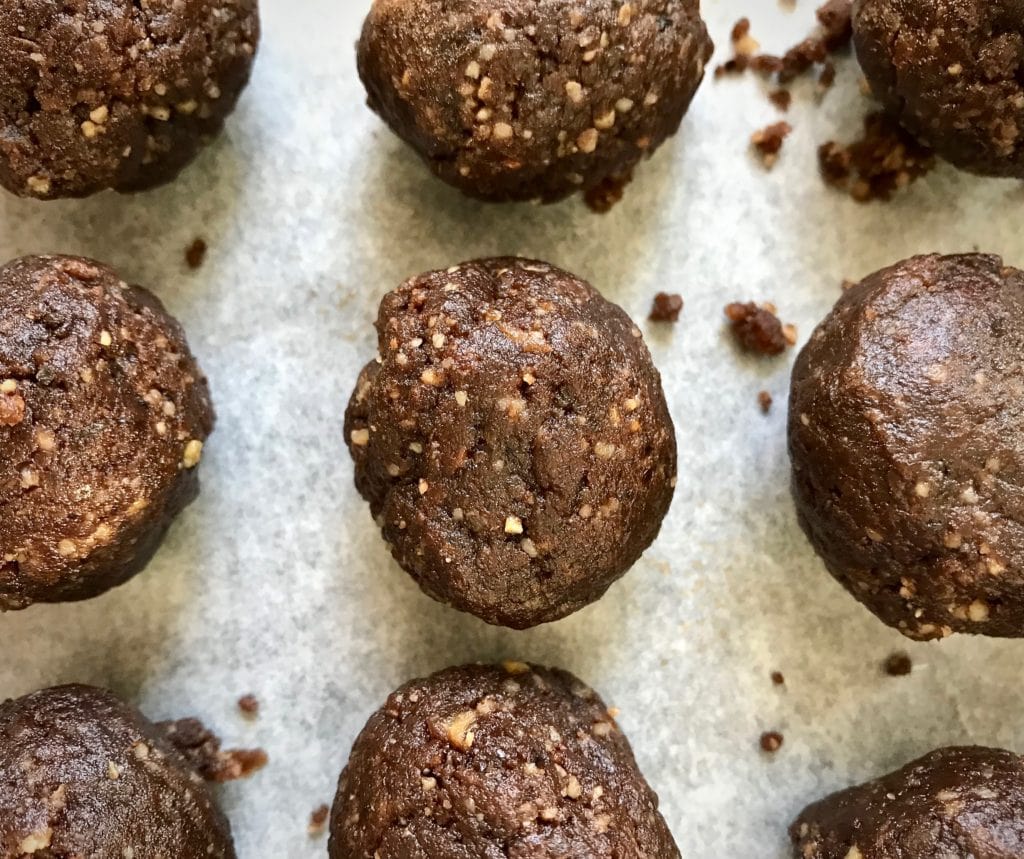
(276, 581)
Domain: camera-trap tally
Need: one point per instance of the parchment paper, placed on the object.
(276, 581)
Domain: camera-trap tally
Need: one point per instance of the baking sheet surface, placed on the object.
(276, 581)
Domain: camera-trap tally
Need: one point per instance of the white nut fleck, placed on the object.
(513, 525)
(192, 454)
(360, 437)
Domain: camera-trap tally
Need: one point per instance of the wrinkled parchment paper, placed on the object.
(276, 581)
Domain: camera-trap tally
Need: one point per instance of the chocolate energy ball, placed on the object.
(495, 761)
(98, 94)
(906, 433)
(103, 414)
(955, 803)
(512, 439)
(83, 774)
(517, 101)
(952, 71)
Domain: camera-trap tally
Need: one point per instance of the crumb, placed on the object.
(249, 705)
(318, 820)
(898, 664)
(764, 399)
(778, 679)
(666, 307)
(781, 98)
(771, 741)
(757, 328)
(201, 748)
(744, 46)
(195, 253)
(827, 76)
(768, 142)
(603, 196)
(884, 160)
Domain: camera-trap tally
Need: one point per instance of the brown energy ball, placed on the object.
(495, 761)
(82, 774)
(516, 101)
(103, 413)
(98, 94)
(952, 71)
(512, 439)
(906, 433)
(955, 803)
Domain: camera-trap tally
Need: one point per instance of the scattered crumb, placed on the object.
(781, 98)
(744, 46)
(898, 664)
(757, 328)
(778, 679)
(195, 253)
(768, 142)
(249, 705)
(771, 741)
(886, 159)
(603, 196)
(666, 307)
(201, 748)
(318, 820)
(764, 400)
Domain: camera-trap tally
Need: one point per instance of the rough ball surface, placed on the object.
(495, 761)
(103, 414)
(952, 72)
(83, 774)
(516, 101)
(906, 434)
(513, 440)
(98, 94)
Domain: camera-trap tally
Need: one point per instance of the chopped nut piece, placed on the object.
(513, 525)
(192, 454)
(460, 733)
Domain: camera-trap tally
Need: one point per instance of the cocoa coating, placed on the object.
(98, 94)
(906, 433)
(107, 412)
(514, 101)
(952, 71)
(513, 441)
(955, 803)
(83, 774)
(495, 761)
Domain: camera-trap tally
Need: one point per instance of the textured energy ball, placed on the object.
(495, 761)
(103, 413)
(952, 72)
(955, 803)
(83, 774)
(512, 439)
(515, 101)
(98, 94)
(906, 433)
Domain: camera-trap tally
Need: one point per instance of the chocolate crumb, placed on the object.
(249, 705)
(744, 47)
(778, 679)
(898, 664)
(781, 98)
(195, 253)
(768, 142)
(884, 160)
(771, 741)
(318, 820)
(201, 748)
(765, 400)
(603, 196)
(757, 328)
(666, 307)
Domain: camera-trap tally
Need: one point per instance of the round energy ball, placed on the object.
(512, 439)
(952, 72)
(520, 101)
(508, 760)
(83, 774)
(103, 414)
(115, 94)
(906, 433)
(955, 802)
